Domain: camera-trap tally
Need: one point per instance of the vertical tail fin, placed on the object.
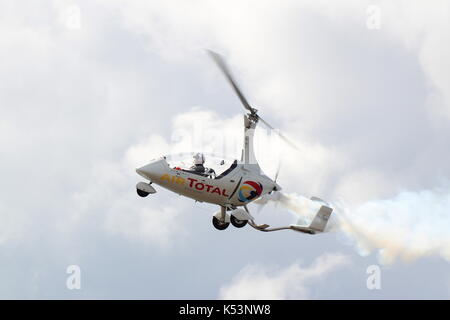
(320, 220)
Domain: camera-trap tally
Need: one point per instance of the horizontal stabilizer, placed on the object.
(319, 200)
(317, 225)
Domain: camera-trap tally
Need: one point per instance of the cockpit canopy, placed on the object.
(212, 165)
(231, 168)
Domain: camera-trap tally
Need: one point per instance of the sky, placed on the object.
(91, 90)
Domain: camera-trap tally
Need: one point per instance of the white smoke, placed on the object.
(303, 208)
(408, 226)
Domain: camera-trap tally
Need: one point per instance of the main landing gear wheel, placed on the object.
(237, 223)
(219, 225)
(142, 193)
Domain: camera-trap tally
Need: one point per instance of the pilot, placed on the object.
(199, 160)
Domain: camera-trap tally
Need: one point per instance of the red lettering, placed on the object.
(224, 193)
(191, 181)
(208, 187)
(197, 186)
(216, 190)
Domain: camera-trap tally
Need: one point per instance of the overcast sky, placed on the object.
(90, 90)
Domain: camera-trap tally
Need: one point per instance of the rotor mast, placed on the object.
(248, 152)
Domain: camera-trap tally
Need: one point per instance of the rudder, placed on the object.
(320, 220)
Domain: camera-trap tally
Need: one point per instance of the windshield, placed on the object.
(212, 164)
(223, 174)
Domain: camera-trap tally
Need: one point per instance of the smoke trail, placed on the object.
(409, 226)
(303, 208)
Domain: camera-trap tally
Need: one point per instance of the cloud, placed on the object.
(82, 107)
(62, 131)
(330, 97)
(293, 282)
(152, 224)
(365, 104)
(110, 201)
(407, 227)
(422, 27)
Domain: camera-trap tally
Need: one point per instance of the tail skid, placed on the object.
(317, 225)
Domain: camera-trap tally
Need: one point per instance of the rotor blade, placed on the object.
(288, 141)
(278, 171)
(223, 67)
(218, 59)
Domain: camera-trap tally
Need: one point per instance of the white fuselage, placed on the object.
(239, 187)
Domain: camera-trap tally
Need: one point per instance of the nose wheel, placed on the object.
(142, 193)
(144, 189)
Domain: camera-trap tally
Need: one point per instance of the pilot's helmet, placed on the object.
(199, 159)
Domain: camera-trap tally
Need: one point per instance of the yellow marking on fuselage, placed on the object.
(165, 177)
(180, 180)
(173, 179)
